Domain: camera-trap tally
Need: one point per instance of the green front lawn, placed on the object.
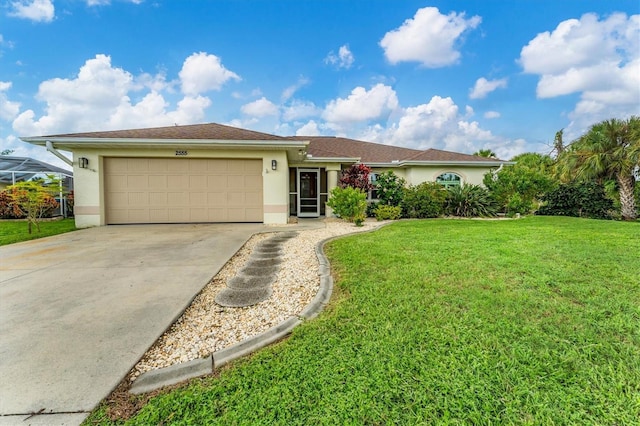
(531, 321)
(17, 231)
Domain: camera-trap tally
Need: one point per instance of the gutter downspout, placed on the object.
(57, 153)
(494, 173)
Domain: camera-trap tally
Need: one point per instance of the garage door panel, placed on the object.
(138, 198)
(158, 165)
(138, 181)
(197, 182)
(158, 215)
(217, 181)
(253, 215)
(217, 166)
(179, 165)
(152, 190)
(197, 198)
(158, 181)
(253, 182)
(158, 199)
(198, 166)
(137, 165)
(177, 181)
(177, 198)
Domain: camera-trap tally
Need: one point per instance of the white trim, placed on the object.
(148, 143)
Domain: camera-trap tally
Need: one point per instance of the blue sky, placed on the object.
(460, 76)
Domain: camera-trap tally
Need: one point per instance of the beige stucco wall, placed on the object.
(89, 183)
(419, 174)
(415, 175)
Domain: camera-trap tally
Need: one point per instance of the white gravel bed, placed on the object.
(206, 327)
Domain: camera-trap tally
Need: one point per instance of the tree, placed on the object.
(34, 199)
(487, 153)
(610, 150)
(519, 188)
(558, 144)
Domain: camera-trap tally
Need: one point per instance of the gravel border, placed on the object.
(207, 335)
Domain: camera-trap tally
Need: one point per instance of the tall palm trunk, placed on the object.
(627, 200)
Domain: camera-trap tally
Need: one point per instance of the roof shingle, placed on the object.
(209, 131)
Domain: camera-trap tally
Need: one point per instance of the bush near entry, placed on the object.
(348, 203)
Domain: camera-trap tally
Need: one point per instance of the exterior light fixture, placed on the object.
(274, 165)
(83, 162)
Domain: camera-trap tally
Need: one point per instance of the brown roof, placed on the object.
(432, 154)
(369, 152)
(211, 131)
(319, 146)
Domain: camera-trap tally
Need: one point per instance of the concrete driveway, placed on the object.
(78, 310)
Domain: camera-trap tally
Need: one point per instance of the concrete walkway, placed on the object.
(78, 310)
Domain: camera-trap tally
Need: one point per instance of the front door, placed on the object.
(308, 192)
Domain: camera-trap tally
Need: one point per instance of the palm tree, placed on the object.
(609, 150)
(487, 153)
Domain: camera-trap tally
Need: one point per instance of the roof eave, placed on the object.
(312, 159)
(439, 163)
(66, 142)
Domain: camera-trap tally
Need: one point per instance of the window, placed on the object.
(373, 192)
(449, 179)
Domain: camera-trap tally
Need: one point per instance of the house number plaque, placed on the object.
(183, 153)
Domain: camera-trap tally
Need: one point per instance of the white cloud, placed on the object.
(8, 109)
(344, 58)
(203, 72)
(309, 129)
(98, 98)
(291, 90)
(483, 87)
(260, 108)
(34, 10)
(297, 110)
(439, 124)
(362, 105)
(491, 114)
(596, 58)
(429, 38)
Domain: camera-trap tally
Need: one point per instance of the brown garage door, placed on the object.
(179, 190)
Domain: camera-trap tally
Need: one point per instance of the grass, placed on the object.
(532, 321)
(17, 231)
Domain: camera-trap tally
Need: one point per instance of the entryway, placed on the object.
(308, 192)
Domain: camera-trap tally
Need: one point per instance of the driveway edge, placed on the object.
(159, 378)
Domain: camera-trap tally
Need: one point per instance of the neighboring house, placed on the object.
(216, 173)
(19, 169)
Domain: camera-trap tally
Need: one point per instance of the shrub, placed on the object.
(390, 188)
(348, 203)
(424, 200)
(577, 199)
(469, 201)
(385, 212)
(356, 176)
(8, 208)
(518, 205)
